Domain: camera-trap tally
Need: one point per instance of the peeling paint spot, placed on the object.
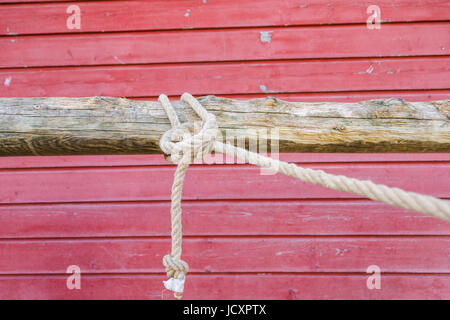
(119, 60)
(188, 11)
(264, 89)
(7, 81)
(265, 36)
(13, 40)
(369, 70)
(280, 253)
(340, 252)
(204, 1)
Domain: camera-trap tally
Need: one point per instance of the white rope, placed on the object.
(188, 141)
(184, 142)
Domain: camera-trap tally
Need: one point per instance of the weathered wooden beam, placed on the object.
(105, 125)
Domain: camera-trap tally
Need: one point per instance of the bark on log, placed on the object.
(106, 125)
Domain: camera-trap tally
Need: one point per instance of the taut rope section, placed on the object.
(189, 141)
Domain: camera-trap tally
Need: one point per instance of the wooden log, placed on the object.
(107, 125)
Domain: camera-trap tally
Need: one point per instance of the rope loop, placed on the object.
(194, 139)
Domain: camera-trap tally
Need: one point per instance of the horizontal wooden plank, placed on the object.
(353, 96)
(247, 254)
(157, 159)
(101, 16)
(229, 78)
(108, 125)
(229, 45)
(206, 182)
(235, 287)
(201, 218)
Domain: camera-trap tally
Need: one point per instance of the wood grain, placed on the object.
(104, 16)
(393, 40)
(228, 286)
(228, 254)
(105, 125)
(237, 218)
(118, 161)
(268, 77)
(207, 182)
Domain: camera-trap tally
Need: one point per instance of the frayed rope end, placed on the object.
(175, 285)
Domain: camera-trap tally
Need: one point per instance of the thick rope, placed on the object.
(184, 142)
(188, 141)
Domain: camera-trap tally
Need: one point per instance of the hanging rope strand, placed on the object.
(393, 196)
(188, 141)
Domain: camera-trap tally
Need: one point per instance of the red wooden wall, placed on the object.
(246, 235)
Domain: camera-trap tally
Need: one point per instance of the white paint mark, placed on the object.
(264, 89)
(204, 1)
(10, 33)
(7, 81)
(12, 40)
(369, 70)
(117, 59)
(136, 255)
(280, 253)
(188, 11)
(265, 36)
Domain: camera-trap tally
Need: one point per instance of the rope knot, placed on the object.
(176, 270)
(193, 140)
(175, 267)
(190, 140)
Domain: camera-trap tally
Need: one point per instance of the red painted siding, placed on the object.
(110, 214)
